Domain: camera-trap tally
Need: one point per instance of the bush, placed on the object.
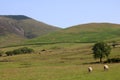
(9, 53)
(17, 51)
(113, 60)
(26, 50)
(23, 50)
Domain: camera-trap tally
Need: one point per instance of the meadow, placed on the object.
(61, 61)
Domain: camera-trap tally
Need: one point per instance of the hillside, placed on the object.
(20, 27)
(62, 61)
(91, 32)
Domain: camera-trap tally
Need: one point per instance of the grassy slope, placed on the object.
(65, 61)
(32, 26)
(10, 39)
(17, 28)
(83, 33)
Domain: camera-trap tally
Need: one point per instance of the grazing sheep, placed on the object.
(106, 67)
(90, 69)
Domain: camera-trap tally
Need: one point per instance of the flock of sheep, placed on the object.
(106, 67)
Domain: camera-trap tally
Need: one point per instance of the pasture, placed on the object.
(62, 61)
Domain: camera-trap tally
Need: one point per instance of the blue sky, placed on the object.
(64, 13)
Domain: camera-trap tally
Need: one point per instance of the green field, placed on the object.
(63, 61)
(92, 32)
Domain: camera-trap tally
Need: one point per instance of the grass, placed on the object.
(82, 33)
(86, 33)
(63, 61)
(10, 39)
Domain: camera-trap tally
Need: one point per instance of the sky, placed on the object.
(64, 13)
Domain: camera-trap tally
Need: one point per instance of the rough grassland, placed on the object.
(66, 61)
(92, 32)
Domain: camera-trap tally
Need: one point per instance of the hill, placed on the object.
(14, 28)
(91, 32)
(62, 61)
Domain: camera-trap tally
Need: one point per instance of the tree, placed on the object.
(101, 50)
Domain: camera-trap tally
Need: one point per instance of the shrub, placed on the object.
(9, 53)
(23, 50)
(26, 50)
(17, 51)
(113, 60)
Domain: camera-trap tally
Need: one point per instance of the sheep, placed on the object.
(90, 69)
(106, 67)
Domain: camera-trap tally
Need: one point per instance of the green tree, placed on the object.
(101, 50)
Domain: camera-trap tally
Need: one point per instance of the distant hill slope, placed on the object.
(91, 32)
(20, 27)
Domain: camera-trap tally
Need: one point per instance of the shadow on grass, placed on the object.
(25, 65)
(6, 60)
(92, 63)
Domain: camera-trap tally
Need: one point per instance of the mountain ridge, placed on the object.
(23, 27)
(18, 23)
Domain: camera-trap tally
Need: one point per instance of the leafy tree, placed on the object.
(101, 50)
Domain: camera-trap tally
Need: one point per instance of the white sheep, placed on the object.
(106, 67)
(90, 69)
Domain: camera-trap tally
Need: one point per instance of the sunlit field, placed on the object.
(63, 61)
